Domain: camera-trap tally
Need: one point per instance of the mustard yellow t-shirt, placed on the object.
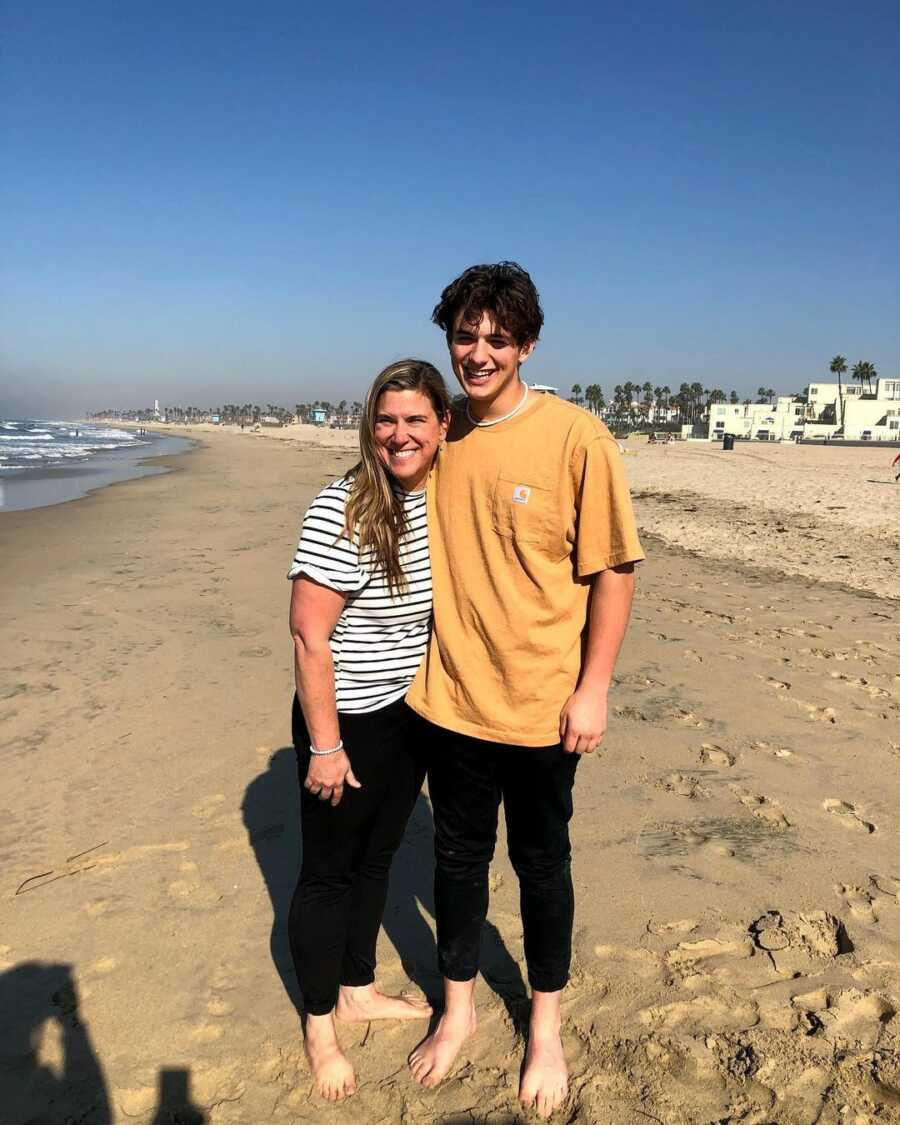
(520, 516)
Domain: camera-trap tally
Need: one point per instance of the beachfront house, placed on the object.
(867, 416)
(757, 421)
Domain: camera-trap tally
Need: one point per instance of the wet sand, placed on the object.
(737, 947)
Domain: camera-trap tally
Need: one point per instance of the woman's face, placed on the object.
(408, 433)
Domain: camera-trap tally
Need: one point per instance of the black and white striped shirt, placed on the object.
(379, 640)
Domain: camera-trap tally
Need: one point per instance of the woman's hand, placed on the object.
(328, 774)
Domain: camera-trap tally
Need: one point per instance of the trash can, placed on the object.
(728, 441)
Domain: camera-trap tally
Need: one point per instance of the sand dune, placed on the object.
(737, 952)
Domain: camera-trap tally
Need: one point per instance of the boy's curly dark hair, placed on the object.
(504, 290)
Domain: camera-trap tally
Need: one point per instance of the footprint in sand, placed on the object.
(707, 949)
(208, 807)
(847, 814)
(702, 1015)
(679, 926)
(871, 690)
(800, 943)
(683, 786)
(770, 748)
(858, 900)
(216, 1006)
(643, 962)
(715, 755)
(856, 1018)
(817, 714)
(776, 685)
(194, 895)
(103, 966)
(886, 885)
(761, 807)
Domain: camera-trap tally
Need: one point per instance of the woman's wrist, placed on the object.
(327, 750)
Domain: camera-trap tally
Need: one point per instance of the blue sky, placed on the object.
(208, 202)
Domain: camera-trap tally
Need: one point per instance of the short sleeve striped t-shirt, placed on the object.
(379, 640)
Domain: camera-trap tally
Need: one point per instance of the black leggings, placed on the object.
(347, 850)
(467, 778)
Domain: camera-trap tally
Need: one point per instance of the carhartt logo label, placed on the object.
(521, 494)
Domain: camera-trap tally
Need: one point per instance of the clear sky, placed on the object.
(206, 202)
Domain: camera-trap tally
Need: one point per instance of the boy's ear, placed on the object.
(526, 350)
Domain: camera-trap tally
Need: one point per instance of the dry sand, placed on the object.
(823, 512)
(737, 947)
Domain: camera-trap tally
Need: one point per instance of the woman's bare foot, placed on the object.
(359, 1005)
(331, 1069)
(545, 1079)
(437, 1052)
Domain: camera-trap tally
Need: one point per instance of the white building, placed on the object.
(867, 417)
(762, 421)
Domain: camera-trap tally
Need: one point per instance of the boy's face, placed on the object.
(486, 361)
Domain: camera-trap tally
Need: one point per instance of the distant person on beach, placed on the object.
(360, 618)
(533, 545)
(896, 461)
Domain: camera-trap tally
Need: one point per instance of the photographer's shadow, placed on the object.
(271, 811)
(57, 1081)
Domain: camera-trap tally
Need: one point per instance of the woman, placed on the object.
(360, 618)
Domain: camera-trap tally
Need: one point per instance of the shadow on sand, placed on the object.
(48, 1069)
(49, 1072)
(271, 811)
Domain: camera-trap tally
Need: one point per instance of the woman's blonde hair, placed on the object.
(374, 510)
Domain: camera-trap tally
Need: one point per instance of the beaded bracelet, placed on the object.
(322, 753)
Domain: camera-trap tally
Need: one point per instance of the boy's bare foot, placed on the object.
(545, 1079)
(434, 1056)
(359, 1005)
(331, 1069)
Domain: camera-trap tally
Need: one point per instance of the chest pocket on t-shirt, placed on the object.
(522, 510)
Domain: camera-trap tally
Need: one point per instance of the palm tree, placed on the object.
(839, 367)
(865, 372)
(734, 398)
(617, 400)
(647, 400)
(696, 391)
(576, 394)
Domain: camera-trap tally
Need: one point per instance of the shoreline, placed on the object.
(52, 485)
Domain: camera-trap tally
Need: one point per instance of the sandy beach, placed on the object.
(736, 858)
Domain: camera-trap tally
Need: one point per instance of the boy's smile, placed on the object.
(486, 361)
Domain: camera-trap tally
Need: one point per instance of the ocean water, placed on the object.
(31, 444)
(51, 462)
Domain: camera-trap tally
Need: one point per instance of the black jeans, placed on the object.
(347, 850)
(467, 778)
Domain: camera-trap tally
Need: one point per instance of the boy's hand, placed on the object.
(582, 721)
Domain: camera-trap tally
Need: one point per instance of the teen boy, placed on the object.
(533, 543)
